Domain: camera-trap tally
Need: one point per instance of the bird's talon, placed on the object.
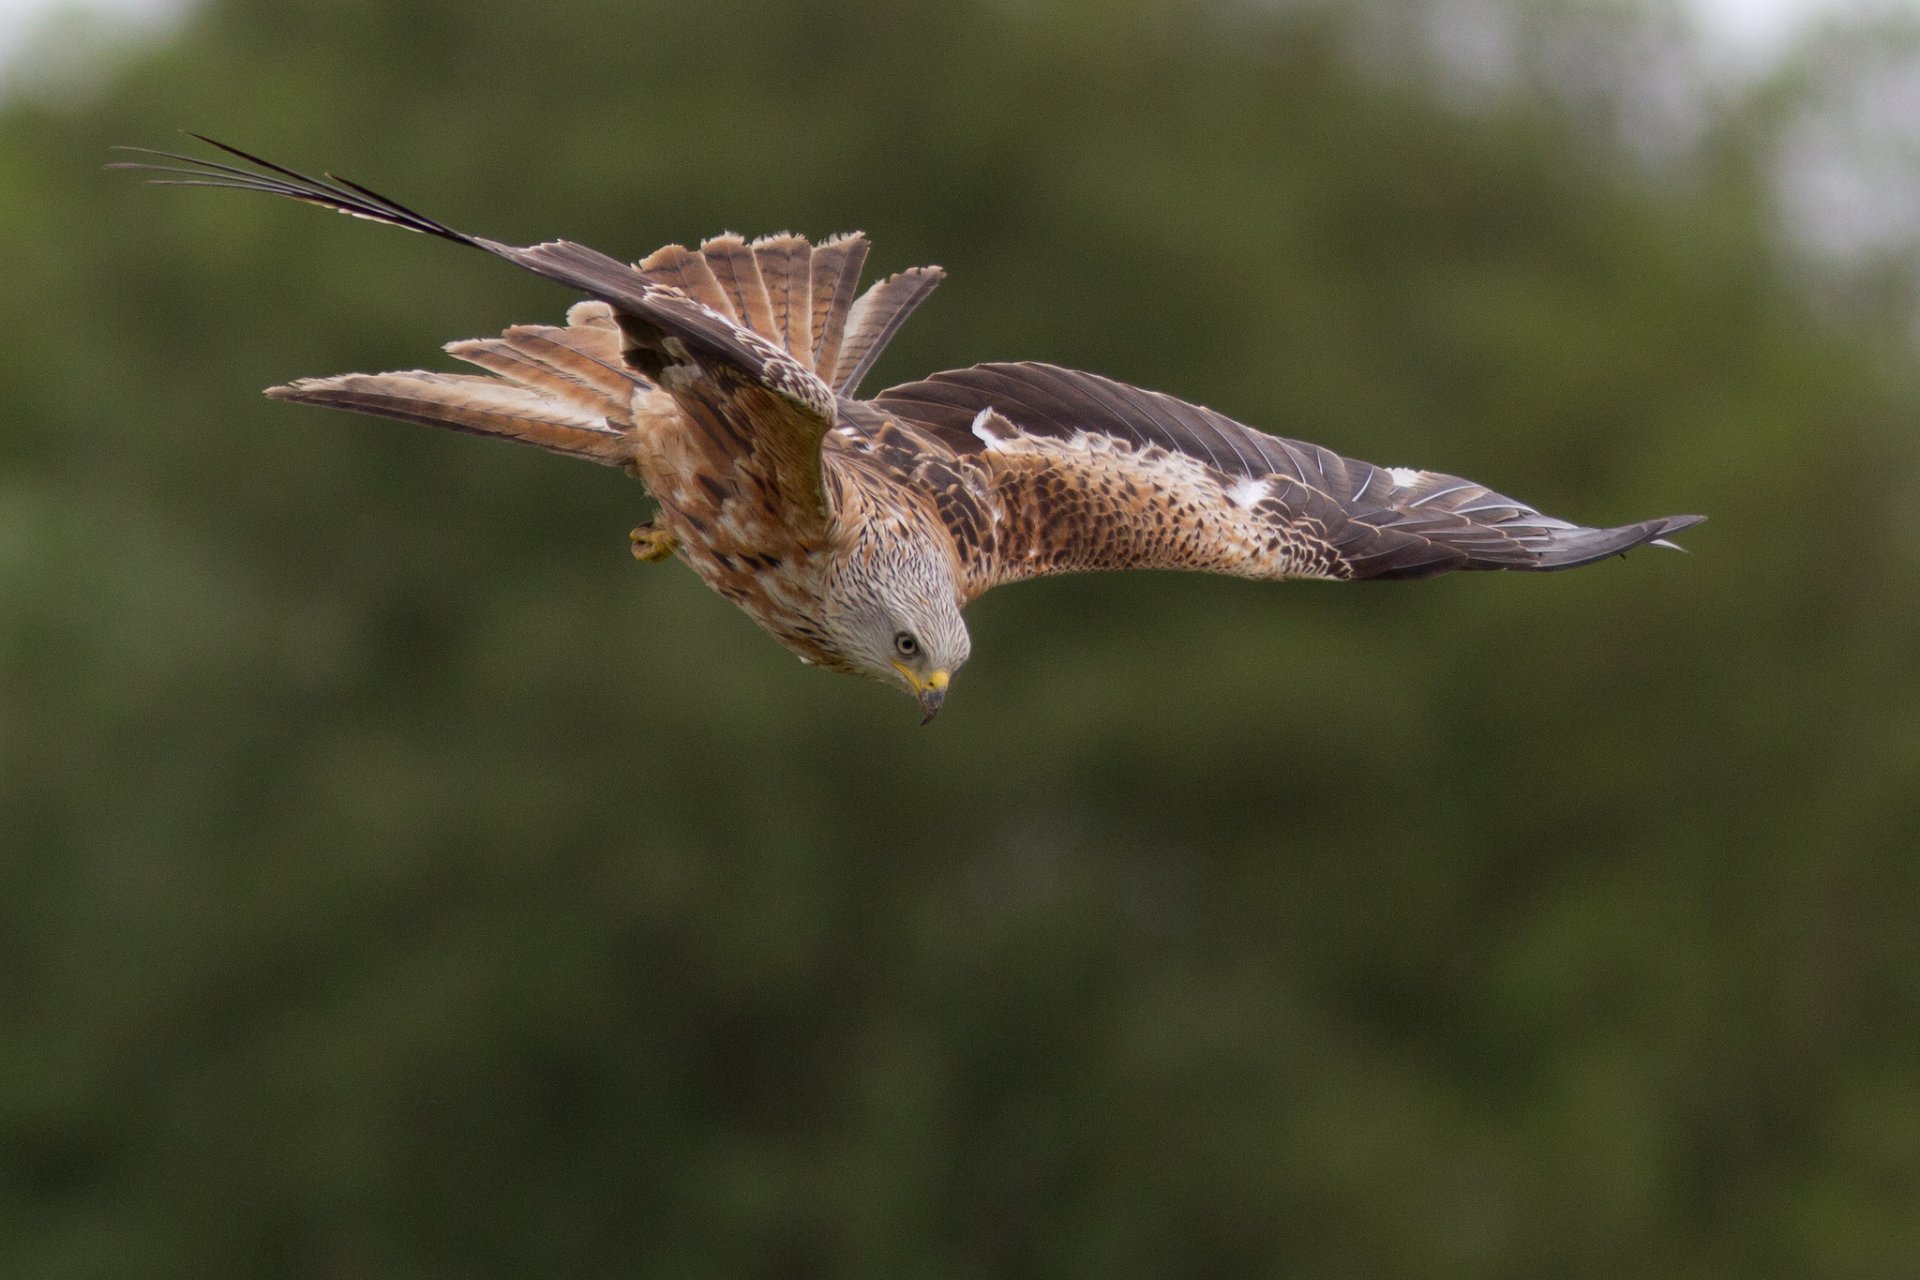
(652, 544)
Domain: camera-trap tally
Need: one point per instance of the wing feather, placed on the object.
(580, 364)
(736, 384)
(472, 404)
(1085, 473)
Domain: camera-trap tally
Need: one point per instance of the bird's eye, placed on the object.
(905, 645)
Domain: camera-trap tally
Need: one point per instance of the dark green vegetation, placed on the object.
(400, 882)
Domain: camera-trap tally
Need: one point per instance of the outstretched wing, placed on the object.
(568, 391)
(760, 406)
(1056, 471)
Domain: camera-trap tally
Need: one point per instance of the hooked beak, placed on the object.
(931, 692)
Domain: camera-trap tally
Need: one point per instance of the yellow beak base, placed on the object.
(931, 691)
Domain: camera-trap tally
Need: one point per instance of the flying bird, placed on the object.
(855, 531)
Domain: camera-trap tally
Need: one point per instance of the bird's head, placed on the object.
(897, 619)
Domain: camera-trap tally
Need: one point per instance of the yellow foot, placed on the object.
(652, 544)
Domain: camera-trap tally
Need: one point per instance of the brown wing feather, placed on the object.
(473, 404)
(563, 390)
(733, 382)
(1057, 471)
(580, 364)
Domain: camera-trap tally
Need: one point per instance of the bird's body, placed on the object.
(855, 531)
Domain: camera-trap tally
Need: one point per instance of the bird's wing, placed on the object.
(565, 390)
(1044, 470)
(752, 341)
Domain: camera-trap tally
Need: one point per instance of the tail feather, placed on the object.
(873, 321)
(650, 316)
(836, 283)
(786, 268)
(687, 271)
(739, 275)
(799, 296)
(803, 297)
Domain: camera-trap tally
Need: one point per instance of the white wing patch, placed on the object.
(1248, 492)
(983, 423)
(1212, 524)
(1404, 477)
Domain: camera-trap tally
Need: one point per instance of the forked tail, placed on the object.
(801, 296)
(570, 390)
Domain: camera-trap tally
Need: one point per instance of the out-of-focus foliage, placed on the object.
(400, 882)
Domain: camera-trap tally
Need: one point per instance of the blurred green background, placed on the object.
(398, 881)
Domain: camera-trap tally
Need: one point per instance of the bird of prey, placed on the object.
(855, 531)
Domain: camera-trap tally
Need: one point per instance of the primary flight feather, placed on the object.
(855, 531)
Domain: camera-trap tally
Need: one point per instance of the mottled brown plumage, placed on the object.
(854, 531)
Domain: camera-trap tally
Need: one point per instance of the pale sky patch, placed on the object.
(1755, 33)
(25, 23)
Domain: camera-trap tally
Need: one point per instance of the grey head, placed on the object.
(893, 613)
